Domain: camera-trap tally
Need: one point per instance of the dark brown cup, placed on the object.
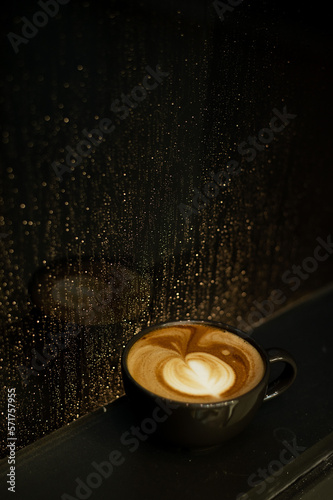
(204, 425)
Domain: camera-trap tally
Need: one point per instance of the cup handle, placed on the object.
(287, 377)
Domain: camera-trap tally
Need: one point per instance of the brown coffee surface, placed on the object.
(195, 363)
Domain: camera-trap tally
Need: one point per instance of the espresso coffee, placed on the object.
(195, 363)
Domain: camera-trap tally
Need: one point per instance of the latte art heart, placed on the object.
(199, 374)
(195, 363)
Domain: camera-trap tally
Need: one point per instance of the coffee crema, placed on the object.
(195, 363)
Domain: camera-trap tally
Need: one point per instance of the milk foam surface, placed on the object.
(195, 363)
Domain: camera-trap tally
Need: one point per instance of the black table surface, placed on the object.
(299, 420)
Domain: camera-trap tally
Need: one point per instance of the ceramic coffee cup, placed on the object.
(195, 384)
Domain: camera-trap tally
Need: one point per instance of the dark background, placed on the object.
(225, 79)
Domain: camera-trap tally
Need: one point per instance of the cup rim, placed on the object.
(184, 404)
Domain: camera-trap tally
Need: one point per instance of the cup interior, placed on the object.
(221, 326)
